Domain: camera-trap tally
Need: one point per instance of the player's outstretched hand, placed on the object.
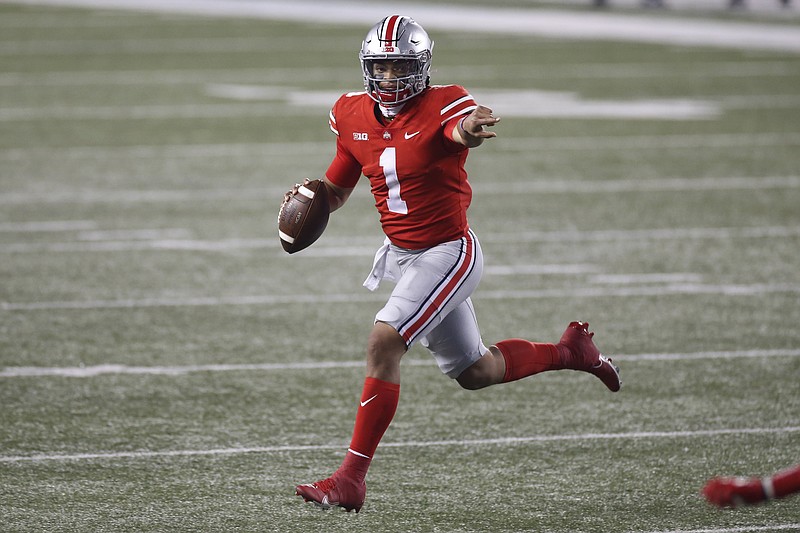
(733, 491)
(474, 122)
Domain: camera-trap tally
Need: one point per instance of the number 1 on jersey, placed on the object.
(388, 162)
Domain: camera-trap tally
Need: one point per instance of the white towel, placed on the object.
(378, 272)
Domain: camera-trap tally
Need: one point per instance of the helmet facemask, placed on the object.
(394, 81)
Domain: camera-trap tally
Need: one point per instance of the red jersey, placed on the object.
(415, 168)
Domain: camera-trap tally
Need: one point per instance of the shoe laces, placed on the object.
(326, 485)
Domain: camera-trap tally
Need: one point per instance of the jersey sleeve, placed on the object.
(458, 104)
(344, 171)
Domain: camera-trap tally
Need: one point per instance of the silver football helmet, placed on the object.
(396, 39)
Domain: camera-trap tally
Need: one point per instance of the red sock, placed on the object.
(379, 401)
(525, 358)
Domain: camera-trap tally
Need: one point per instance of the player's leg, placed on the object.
(460, 353)
(433, 284)
(457, 348)
(574, 351)
(430, 285)
(486, 371)
(385, 348)
(379, 399)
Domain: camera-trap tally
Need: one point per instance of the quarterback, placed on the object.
(410, 139)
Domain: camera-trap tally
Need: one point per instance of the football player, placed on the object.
(411, 140)
(735, 491)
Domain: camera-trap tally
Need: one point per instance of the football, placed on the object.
(303, 217)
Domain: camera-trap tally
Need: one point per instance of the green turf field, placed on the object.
(165, 366)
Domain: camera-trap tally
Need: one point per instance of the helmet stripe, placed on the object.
(391, 25)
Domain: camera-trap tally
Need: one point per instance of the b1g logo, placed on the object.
(358, 136)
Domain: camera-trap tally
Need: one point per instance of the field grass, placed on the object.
(164, 366)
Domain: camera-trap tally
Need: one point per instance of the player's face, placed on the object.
(390, 71)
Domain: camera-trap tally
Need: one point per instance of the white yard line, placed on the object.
(644, 234)
(134, 234)
(46, 226)
(156, 111)
(633, 292)
(195, 76)
(178, 243)
(271, 75)
(539, 269)
(91, 196)
(762, 7)
(540, 185)
(657, 142)
(743, 529)
(659, 277)
(99, 370)
(526, 144)
(192, 151)
(528, 103)
(175, 240)
(500, 441)
(111, 46)
(638, 185)
(200, 301)
(707, 355)
(729, 290)
(467, 19)
(757, 6)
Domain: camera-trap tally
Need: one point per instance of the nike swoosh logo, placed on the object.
(367, 401)
(409, 135)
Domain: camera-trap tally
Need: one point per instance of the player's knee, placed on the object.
(472, 382)
(385, 343)
(469, 383)
(475, 378)
(483, 373)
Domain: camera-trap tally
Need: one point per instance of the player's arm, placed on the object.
(342, 175)
(337, 196)
(784, 483)
(733, 491)
(470, 131)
